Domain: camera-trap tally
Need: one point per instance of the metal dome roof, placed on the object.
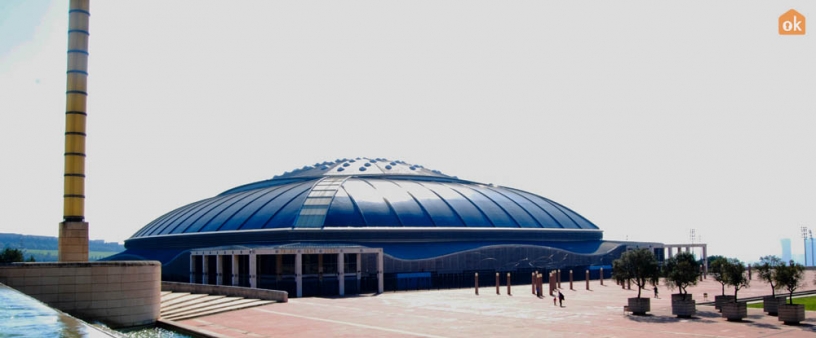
(365, 193)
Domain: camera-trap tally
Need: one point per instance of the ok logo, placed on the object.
(792, 23)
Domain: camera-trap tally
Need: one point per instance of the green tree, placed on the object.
(790, 277)
(717, 269)
(710, 259)
(9, 255)
(639, 266)
(735, 275)
(682, 271)
(767, 269)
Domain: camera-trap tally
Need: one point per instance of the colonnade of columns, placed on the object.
(687, 248)
(235, 257)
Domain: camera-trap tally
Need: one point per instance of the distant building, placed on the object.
(786, 249)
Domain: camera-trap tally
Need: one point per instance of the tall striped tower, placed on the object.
(73, 232)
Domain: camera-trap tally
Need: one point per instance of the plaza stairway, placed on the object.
(185, 305)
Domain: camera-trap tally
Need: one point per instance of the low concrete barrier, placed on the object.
(229, 291)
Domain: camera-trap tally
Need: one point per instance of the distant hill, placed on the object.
(44, 248)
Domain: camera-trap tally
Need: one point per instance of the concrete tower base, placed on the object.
(73, 242)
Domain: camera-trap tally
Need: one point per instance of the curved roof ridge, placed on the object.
(365, 194)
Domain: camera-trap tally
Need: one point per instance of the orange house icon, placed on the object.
(792, 23)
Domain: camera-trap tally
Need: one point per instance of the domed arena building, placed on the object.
(367, 225)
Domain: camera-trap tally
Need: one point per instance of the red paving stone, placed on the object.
(460, 313)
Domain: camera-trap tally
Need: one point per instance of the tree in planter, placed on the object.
(717, 270)
(766, 268)
(790, 277)
(734, 272)
(682, 271)
(639, 266)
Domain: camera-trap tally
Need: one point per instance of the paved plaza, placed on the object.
(461, 313)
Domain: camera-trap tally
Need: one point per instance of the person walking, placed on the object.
(560, 299)
(655, 289)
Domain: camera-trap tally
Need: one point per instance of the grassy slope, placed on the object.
(93, 255)
(810, 303)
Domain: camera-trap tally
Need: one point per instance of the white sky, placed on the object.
(648, 118)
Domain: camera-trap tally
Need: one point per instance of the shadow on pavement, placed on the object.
(708, 314)
(648, 318)
(762, 325)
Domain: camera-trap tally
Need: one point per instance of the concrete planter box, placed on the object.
(720, 300)
(791, 313)
(735, 311)
(771, 303)
(639, 306)
(683, 305)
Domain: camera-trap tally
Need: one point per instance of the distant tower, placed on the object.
(786, 249)
(73, 231)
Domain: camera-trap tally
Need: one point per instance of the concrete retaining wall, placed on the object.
(119, 294)
(229, 291)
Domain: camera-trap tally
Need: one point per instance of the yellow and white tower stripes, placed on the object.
(73, 234)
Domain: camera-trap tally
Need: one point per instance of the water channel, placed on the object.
(23, 316)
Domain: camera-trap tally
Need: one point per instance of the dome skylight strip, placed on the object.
(316, 206)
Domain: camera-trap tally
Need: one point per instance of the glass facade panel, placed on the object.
(350, 263)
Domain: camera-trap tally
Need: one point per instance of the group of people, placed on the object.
(559, 298)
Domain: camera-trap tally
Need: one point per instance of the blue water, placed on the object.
(153, 332)
(23, 316)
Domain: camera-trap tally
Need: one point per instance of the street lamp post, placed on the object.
(804, 238)
(810, 232)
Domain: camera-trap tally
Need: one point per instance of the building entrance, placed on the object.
(301, 270)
